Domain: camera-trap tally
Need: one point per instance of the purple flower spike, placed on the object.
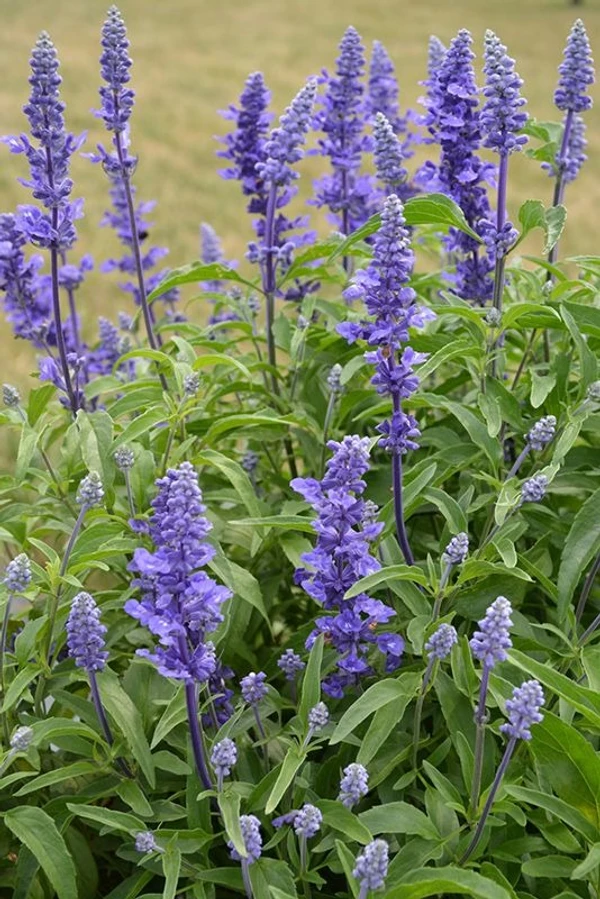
(542, 432)
(346, 193)
(318, 717)
(436, 52)
(576, 72)
(501, 119)
(17, 577)
(383, 90)
(291, 664)
(388, 154)
(284, 146)
(490, 644)
(353, 785)
(85, 634)
(26, 306)
(534, 489)
(223, 757)
(117, 99)
(523, 710)
(90, 492)
(254, 688)
(574, 156)
(372, 866)
(244, 148)
(440, 644)
(250, 826)
(457, 550)
(307, 822)
(145, 842)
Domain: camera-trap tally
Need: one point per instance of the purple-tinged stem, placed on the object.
(55, 599)
(129, 494)
(500, 259)
(191, 699)
(3, 637)
(269, 281)
(72, 310)
(440, 595)
(397, 487)
(559, 185)
(519, 461)
(108, 735)
(590, 630)
(364, 891)
(587, 587)
(480, 723)
(246, 878)
(490, 800)
(137, 255)
(263, 735)
(419, 710)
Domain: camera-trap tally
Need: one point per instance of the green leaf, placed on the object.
(19, 685)
(58, 775)
(140, 425)
(570, 764)
(589, 864)
(221, 359)
(194, 273)
(171, 862)
(444, 882)
(387, 576)
(557, 807)
(378, 695)
(290, 765)
(450, 509)
(236, 476)
(129, 721)
(581, 545)
(340, 818)
(229, 805)
(581, 698)
(437, 209)
(281, 522)
(347, 860)
(174, 715)
(239, 580)
(553, 866)
(556, 217)
(27, 445)
(311, 682)
(589, 362)
(533, 214)
(96, 437)
(399, 817)
(37, 830)
(108, 818)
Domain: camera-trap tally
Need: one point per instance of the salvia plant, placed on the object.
(299, 582)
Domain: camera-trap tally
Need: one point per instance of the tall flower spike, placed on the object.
(284, 147)
(382, 95)
(346, 193)
(244, 148)
(115, 63)
(342, 556)
(85, 634)
(576, 72)
(436, 52)
(453, 121)
(388, 155)
(371, 867)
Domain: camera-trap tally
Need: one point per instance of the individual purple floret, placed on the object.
(318, 717)
(457, 549)
(291, 664)
(453, 121)
(342, 120)
(542, 432)
(534, 489)
(17, 576)
(85, 634)
(371, 867)
(21, 739)
(307, 822)
(254, 688)
(382, 89)
(353, 785)
(90, 492)
(576, 72)
(490, 644)
(389, 156)
(117, 99)
(145, 842)
(440, 644)
(523, 710)
(250, 826)
(223, 758)
(501, 118)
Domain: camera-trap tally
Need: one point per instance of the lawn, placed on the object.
(190, 60)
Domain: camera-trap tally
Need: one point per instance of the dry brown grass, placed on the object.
(191, 58)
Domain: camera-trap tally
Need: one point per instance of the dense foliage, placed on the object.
(299, 594)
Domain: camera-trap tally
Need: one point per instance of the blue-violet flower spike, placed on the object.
(307, 822)
(371, 865)
(523, 710)
(85, 634)
(250, 826)
(17, 577)
(576, 72)
(440, 644)
(490, 644)
(353, 785)
(254, 688)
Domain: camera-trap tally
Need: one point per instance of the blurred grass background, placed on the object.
(191, 58)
